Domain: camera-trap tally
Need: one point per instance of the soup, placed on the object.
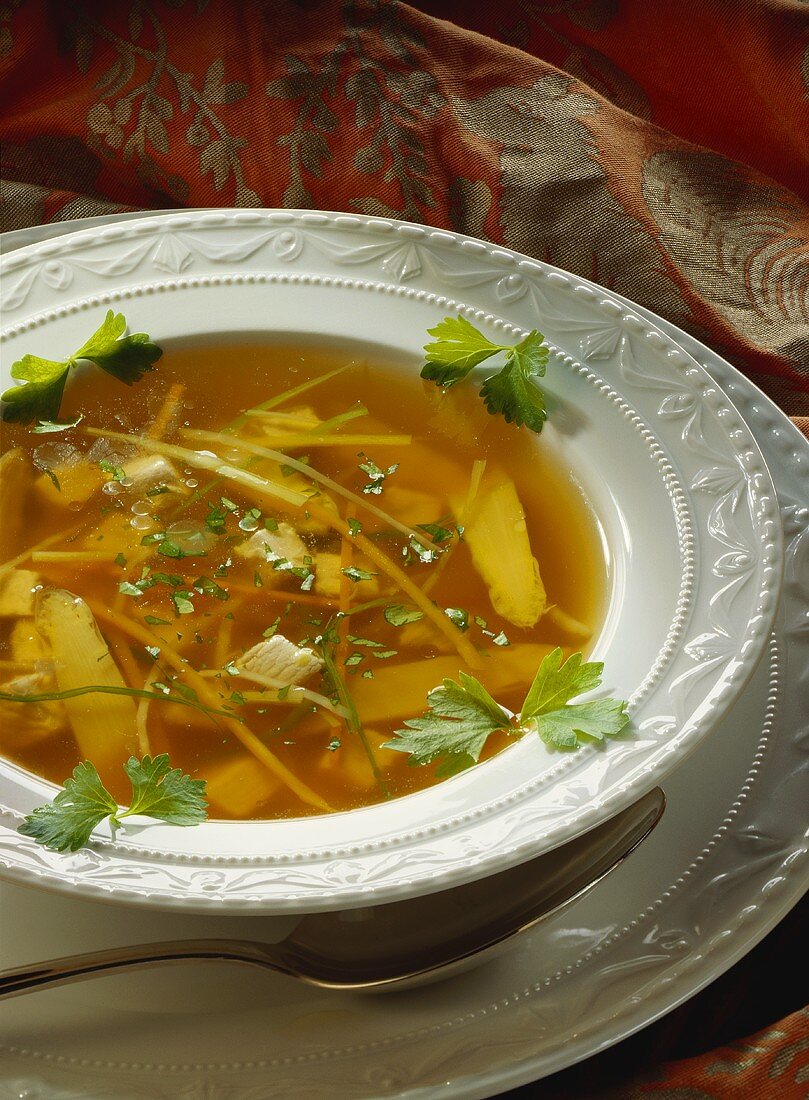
(274, 644)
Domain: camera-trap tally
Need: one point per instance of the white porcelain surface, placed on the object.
(726, 863)
(674, 473)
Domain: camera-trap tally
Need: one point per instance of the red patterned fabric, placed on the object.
(659, 148)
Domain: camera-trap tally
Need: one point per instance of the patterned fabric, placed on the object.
(659, 148)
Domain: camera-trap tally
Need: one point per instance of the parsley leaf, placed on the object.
(459, 347)
(127, 358)
(158, 791)
(457, 726)
(163, 792)
(41, 396)
(45, 427)
(399, 615)
(546, 706)
(462, 716)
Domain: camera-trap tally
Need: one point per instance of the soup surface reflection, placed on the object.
(288, 635)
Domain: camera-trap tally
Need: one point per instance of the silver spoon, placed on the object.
(388, 945)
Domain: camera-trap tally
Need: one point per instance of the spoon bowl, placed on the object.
(398, 944)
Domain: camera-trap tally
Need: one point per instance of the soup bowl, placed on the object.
(684, 502)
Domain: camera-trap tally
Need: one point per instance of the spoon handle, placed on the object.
(72, 968)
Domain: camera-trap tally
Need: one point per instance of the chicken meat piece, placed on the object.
(279, 659)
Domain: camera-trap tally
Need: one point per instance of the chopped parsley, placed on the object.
(376, 475)
(355, 574)
(399, 615)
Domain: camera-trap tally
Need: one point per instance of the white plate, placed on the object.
(674, 473)
(726, 863)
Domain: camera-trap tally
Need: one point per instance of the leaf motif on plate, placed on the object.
(717, 480)
(171, 254)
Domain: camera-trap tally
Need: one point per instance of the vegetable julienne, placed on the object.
(297, 587)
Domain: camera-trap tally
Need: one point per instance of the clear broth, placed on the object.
(449, 432)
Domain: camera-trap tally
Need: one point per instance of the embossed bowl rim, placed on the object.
(707, 472)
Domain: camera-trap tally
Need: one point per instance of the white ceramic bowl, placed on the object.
(682, 492)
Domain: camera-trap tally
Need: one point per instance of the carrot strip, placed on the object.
(283, 595)
(168, 411)
(461, 643)
(199, 684)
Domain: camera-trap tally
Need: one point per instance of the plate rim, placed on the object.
(71, 241)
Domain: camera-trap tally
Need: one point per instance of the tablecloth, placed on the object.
(660, 148)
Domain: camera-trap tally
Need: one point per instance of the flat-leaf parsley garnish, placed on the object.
(126, 358)
(459, 347)
(158, 791)
(462, 715)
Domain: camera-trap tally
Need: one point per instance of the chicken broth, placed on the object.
(277, 641)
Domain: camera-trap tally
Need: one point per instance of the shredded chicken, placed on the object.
(27, 723)
(285, 544)
(147, 471)
(279, 659)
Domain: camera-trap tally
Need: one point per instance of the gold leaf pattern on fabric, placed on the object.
(605, 77)
(142, 90)
(735, 241)
(592, 14)
(310, 88)
(393, 98)
(555, 202)
(469, 204)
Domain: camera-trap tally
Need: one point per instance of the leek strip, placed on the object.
(352, 718)
(295, 690)
(281, 440)
(103, 731)
(252, 743)
(337, 421)
(346, 559)
(142, 714)
(12, 563)
(478, 468)
(287, 395)
(68, 556)
(106, 689)
(204, 460)
(314, 475)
